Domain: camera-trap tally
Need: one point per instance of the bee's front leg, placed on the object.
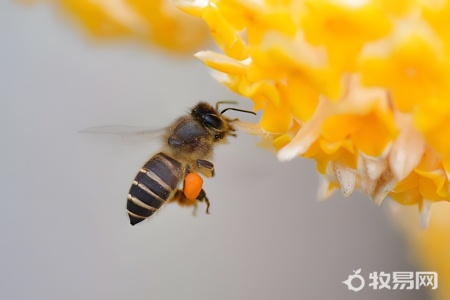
(206, 167)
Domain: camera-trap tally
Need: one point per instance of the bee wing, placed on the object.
(128, 133)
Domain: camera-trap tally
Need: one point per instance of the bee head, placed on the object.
(211, 119)
(214, 120)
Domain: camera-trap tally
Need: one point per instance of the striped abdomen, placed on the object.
(154, 184)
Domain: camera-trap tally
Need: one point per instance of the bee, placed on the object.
(172, 174)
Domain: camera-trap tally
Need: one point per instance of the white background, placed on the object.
(63, 226)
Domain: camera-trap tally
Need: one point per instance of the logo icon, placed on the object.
(349, 281)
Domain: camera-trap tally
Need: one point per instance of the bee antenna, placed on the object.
(237, 109)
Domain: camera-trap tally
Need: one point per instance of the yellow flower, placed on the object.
(411, 79)
(343, 29)
(429, 247)
(155, 21)
(362, 87)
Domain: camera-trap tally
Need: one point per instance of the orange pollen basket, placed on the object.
(193, 184)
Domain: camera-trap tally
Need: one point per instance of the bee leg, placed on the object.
(206, 167)
(177, 197)
(181, 199)
(202, 197)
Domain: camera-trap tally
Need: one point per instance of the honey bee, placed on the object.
(188, 149)
(171, 175)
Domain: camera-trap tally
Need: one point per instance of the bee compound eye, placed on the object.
(212, 121)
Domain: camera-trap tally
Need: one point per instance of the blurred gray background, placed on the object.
(63, 225)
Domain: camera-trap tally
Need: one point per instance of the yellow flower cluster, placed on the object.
(362, 87)
(156, 21)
